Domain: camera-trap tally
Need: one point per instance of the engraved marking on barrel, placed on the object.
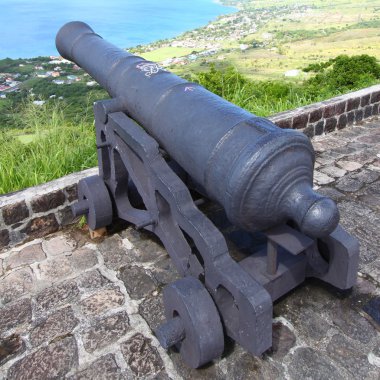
(149, 68)
(189, 89)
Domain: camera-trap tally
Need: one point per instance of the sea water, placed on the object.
(28, 27)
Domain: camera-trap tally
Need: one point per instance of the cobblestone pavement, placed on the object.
(77, 308)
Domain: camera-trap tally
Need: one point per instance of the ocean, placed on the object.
(28, 28)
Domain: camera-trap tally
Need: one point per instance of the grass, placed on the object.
(56, 148)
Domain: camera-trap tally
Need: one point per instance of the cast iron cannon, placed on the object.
(260, 174)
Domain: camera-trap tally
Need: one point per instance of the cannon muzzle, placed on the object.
(261, 174)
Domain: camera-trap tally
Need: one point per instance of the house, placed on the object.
(39, 102)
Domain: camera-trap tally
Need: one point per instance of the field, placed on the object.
(293, 39)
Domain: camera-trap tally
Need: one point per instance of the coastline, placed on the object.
(125, 31)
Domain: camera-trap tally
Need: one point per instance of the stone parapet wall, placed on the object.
(37, 211)
(329, 115)
(40, 210)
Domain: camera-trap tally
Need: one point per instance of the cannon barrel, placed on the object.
(261, 174)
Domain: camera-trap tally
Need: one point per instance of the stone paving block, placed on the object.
(330, 124)
(147, 247)
(367, 176)
(15, 314)
(347, 355)
(41, 226)
(371, 139)
(353, 325)
(300, 121)
(10, 347)
(308, 363)
(332, 193)
(321, 178)
(349, 184)
(83, 258)
(72, 192)
(66, 216)
(102, 301)
(56, 296)
(345, 150)
(359, 116)
(48, 201)
(15, 213)
(105, 331)
(312, 326)
(4, 238)
(283, 339)
(152, 310)
(363, 223)
(16, 284)
(28, 255)
(114, 254)
(54, 270)
(58, 245)
(51, 362)
(374, 356)
(91, 280)
(57, 324)
(243, 366)
(363, 157)
(315, 115)
(104, 368)
(164, 271)
(137, 282)
(333, 171)
(141, 356)
(349, 165)
(319, 128)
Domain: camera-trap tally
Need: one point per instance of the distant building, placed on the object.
(292, 73)
(39, 102)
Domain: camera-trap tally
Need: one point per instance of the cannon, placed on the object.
(165, 147)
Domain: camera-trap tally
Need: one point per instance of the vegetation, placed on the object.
(77, 100)
(336, 76)
(56, 147)
(343, 74)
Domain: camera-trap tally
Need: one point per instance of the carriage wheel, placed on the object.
(93, 201)
(193, 323)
